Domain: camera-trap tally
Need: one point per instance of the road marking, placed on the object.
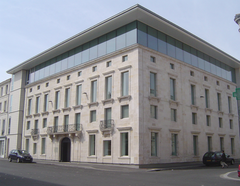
(225, 176)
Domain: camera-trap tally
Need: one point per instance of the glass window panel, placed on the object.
(78, 56)
(213, 66)
(207, 63)
(93, 115)
(172, 89)
(131, 35)
(93, 49)
(174, 144)
(186, 54)
(111, 42)
(92, 145)
(64, 61)
(201, 62)
(153, 91)
(102, 46)
(79, 94)
(153, 144)
(194, 57)
(107, 148)
(37, 75)
(124, 144)
(125, 111)
(93, 91)
(162, 43)
(152, 38)
(108, 87)
(179, 50)
(58, 66)
(85, 53)
(224, 72)
(52, 66)
(218, 66)
(171, 46)
(142, 34)
(125, 83)
(121, 38)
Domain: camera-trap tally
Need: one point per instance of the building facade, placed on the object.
(134, 89)
(5, 122)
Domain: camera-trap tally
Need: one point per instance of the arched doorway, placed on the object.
(65, 150)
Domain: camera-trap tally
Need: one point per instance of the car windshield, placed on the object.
(209, 154)
(22, 152)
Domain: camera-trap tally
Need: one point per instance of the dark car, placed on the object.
(20, 156)
(211, 158)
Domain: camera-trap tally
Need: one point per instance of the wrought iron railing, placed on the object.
(106, 124)
(34, 132)
(64, 128)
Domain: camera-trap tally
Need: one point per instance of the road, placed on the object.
(37, 174)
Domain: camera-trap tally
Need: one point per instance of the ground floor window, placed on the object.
(232, 146)
(209, 139)
(174, 144)
(35, 148)
(92, 145)
(27, 145)
(154, 137)
(221, 143)
(124, 144)
(43, 145)
(107, 148)
(1, 147)
(195, 145)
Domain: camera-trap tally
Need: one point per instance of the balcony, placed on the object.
(106, 126)
(64, 129)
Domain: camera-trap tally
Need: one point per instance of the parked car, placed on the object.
(210, 158)
(20, 156)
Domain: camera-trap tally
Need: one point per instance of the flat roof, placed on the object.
(136, 12)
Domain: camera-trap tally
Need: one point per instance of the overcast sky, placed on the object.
(28, 27)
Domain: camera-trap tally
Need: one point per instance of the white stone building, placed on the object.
(5, 121)
(133, 89)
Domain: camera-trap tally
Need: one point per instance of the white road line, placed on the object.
(225, 176)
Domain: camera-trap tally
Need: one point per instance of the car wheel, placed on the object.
(10, 159)
(18, 160)
(232, 162)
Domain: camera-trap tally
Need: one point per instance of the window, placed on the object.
(93, 115)
(153, 91)
(77, 121)
(37, 105)
(94, 91)
(67, 97)
(124, 144)
(27, 145)
(38, 87)
(219, 101)
(174, 144)
(231, 124)
(207, 98)
(6, 90)
(229, 104)
(209, 141)
(195, 145)
(125, 83)
(205, 78)
(171, 66)
(217, 82)
(221, 143)
(173, 114)
(9, 125)
(194, 118)
(45, 103)
(79, 73)
(191, 73)
(94, 68)
(172, 89)
(152, 59)
(28, 125)
(35, 148)
(124, 58)
(44, 122)
(3, 126)
(43, 145)
(108, 88)
(109, 63)
(58, 80)
(1, 91)
(108, 117)
(5, 106)
(208, 120)
(55, 128)
(193, 96)
(228, 86)
(0, 106)
(124, 111)
(232, 146)
(78, 94)
(36, 124)
(47, 84)
(57, 99)
(154, 137)
(68, 77)
(153, 111)
(91, 145)
(107, 148)
(30, 90)
(66, 122)
(220, 122)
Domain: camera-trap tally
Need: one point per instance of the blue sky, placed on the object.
(28, 27)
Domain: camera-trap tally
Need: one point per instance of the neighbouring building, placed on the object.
(5, 121)
(133, 89)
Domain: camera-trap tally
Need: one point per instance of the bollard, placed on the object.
(239, 171)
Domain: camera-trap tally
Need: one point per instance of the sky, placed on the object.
(28, 27)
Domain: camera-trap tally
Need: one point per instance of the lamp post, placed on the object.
(237, 20)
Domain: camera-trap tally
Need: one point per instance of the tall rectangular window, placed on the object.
(28, 125)
(29, 106)
(55, 127)
(154, 137)
(10, 109)
(172, 89)
(0, 106)
(27, 145)
(124, 144)
(220, 122)
(219, 101)
(173, 114)
(9, 125)
(36, 124)
(67, 97)
(3, 127)
(232, 146)
(43, 145)
(93, 115)
(193, 96)
(6, 90)
(153, 111)
(35, 148)
(229, 104)
(91, 145)
(194, 118)
(209, 140)
(124, 111)
(221, 143)
(94, 91)
(195, 145)
(153, 84)
(78, 94)
(66, 122)
(45, 103)
(174, 144)
(125, 83)
(57, 99)
(231, 124)
(77, 121)
(5, 106)
(207, 98)
(37, 109)
(108, 88)
(208, 120)
(108, 117)
(44, 122)
(107, 148)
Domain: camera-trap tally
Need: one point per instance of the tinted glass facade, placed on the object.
(135, 32)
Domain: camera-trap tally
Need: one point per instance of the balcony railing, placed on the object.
(106, 125)
(34, 132)
(64, 129)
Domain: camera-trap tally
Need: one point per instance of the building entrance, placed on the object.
(65, 150)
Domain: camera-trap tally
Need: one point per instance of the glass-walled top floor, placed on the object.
(135, 32)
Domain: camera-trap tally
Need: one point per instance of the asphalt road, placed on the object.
(37, 174)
